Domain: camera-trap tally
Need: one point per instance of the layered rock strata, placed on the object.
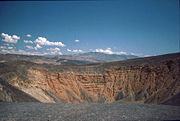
(144, 83)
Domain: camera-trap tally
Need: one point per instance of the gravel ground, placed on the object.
(86, 112)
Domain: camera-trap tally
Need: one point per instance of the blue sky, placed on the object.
(141, 27)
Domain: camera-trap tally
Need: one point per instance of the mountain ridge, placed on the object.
(76, 59)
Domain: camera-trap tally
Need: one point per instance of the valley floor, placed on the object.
(86, 112)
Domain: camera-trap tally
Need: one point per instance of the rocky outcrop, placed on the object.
(144, 82)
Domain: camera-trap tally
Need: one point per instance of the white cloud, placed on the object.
(54, 49)
(75, 51)
(2, 47)
(10, 39)
(10, 47)
(37, 47)
(120, 53)
(29, 47)
(28, 35)
(68, 50)
(26, 41)
(109, 51)
(59, 53)
(15, 37)
(44, 41)
(76, 40)
(21, 52)
(55, 53)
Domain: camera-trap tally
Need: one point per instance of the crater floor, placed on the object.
(86, 112)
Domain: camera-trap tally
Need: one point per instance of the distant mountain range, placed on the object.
(102, 57)
(77, 59)
(91, 57)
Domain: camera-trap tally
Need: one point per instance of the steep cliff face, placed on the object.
(149, 84)
(143, 83)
